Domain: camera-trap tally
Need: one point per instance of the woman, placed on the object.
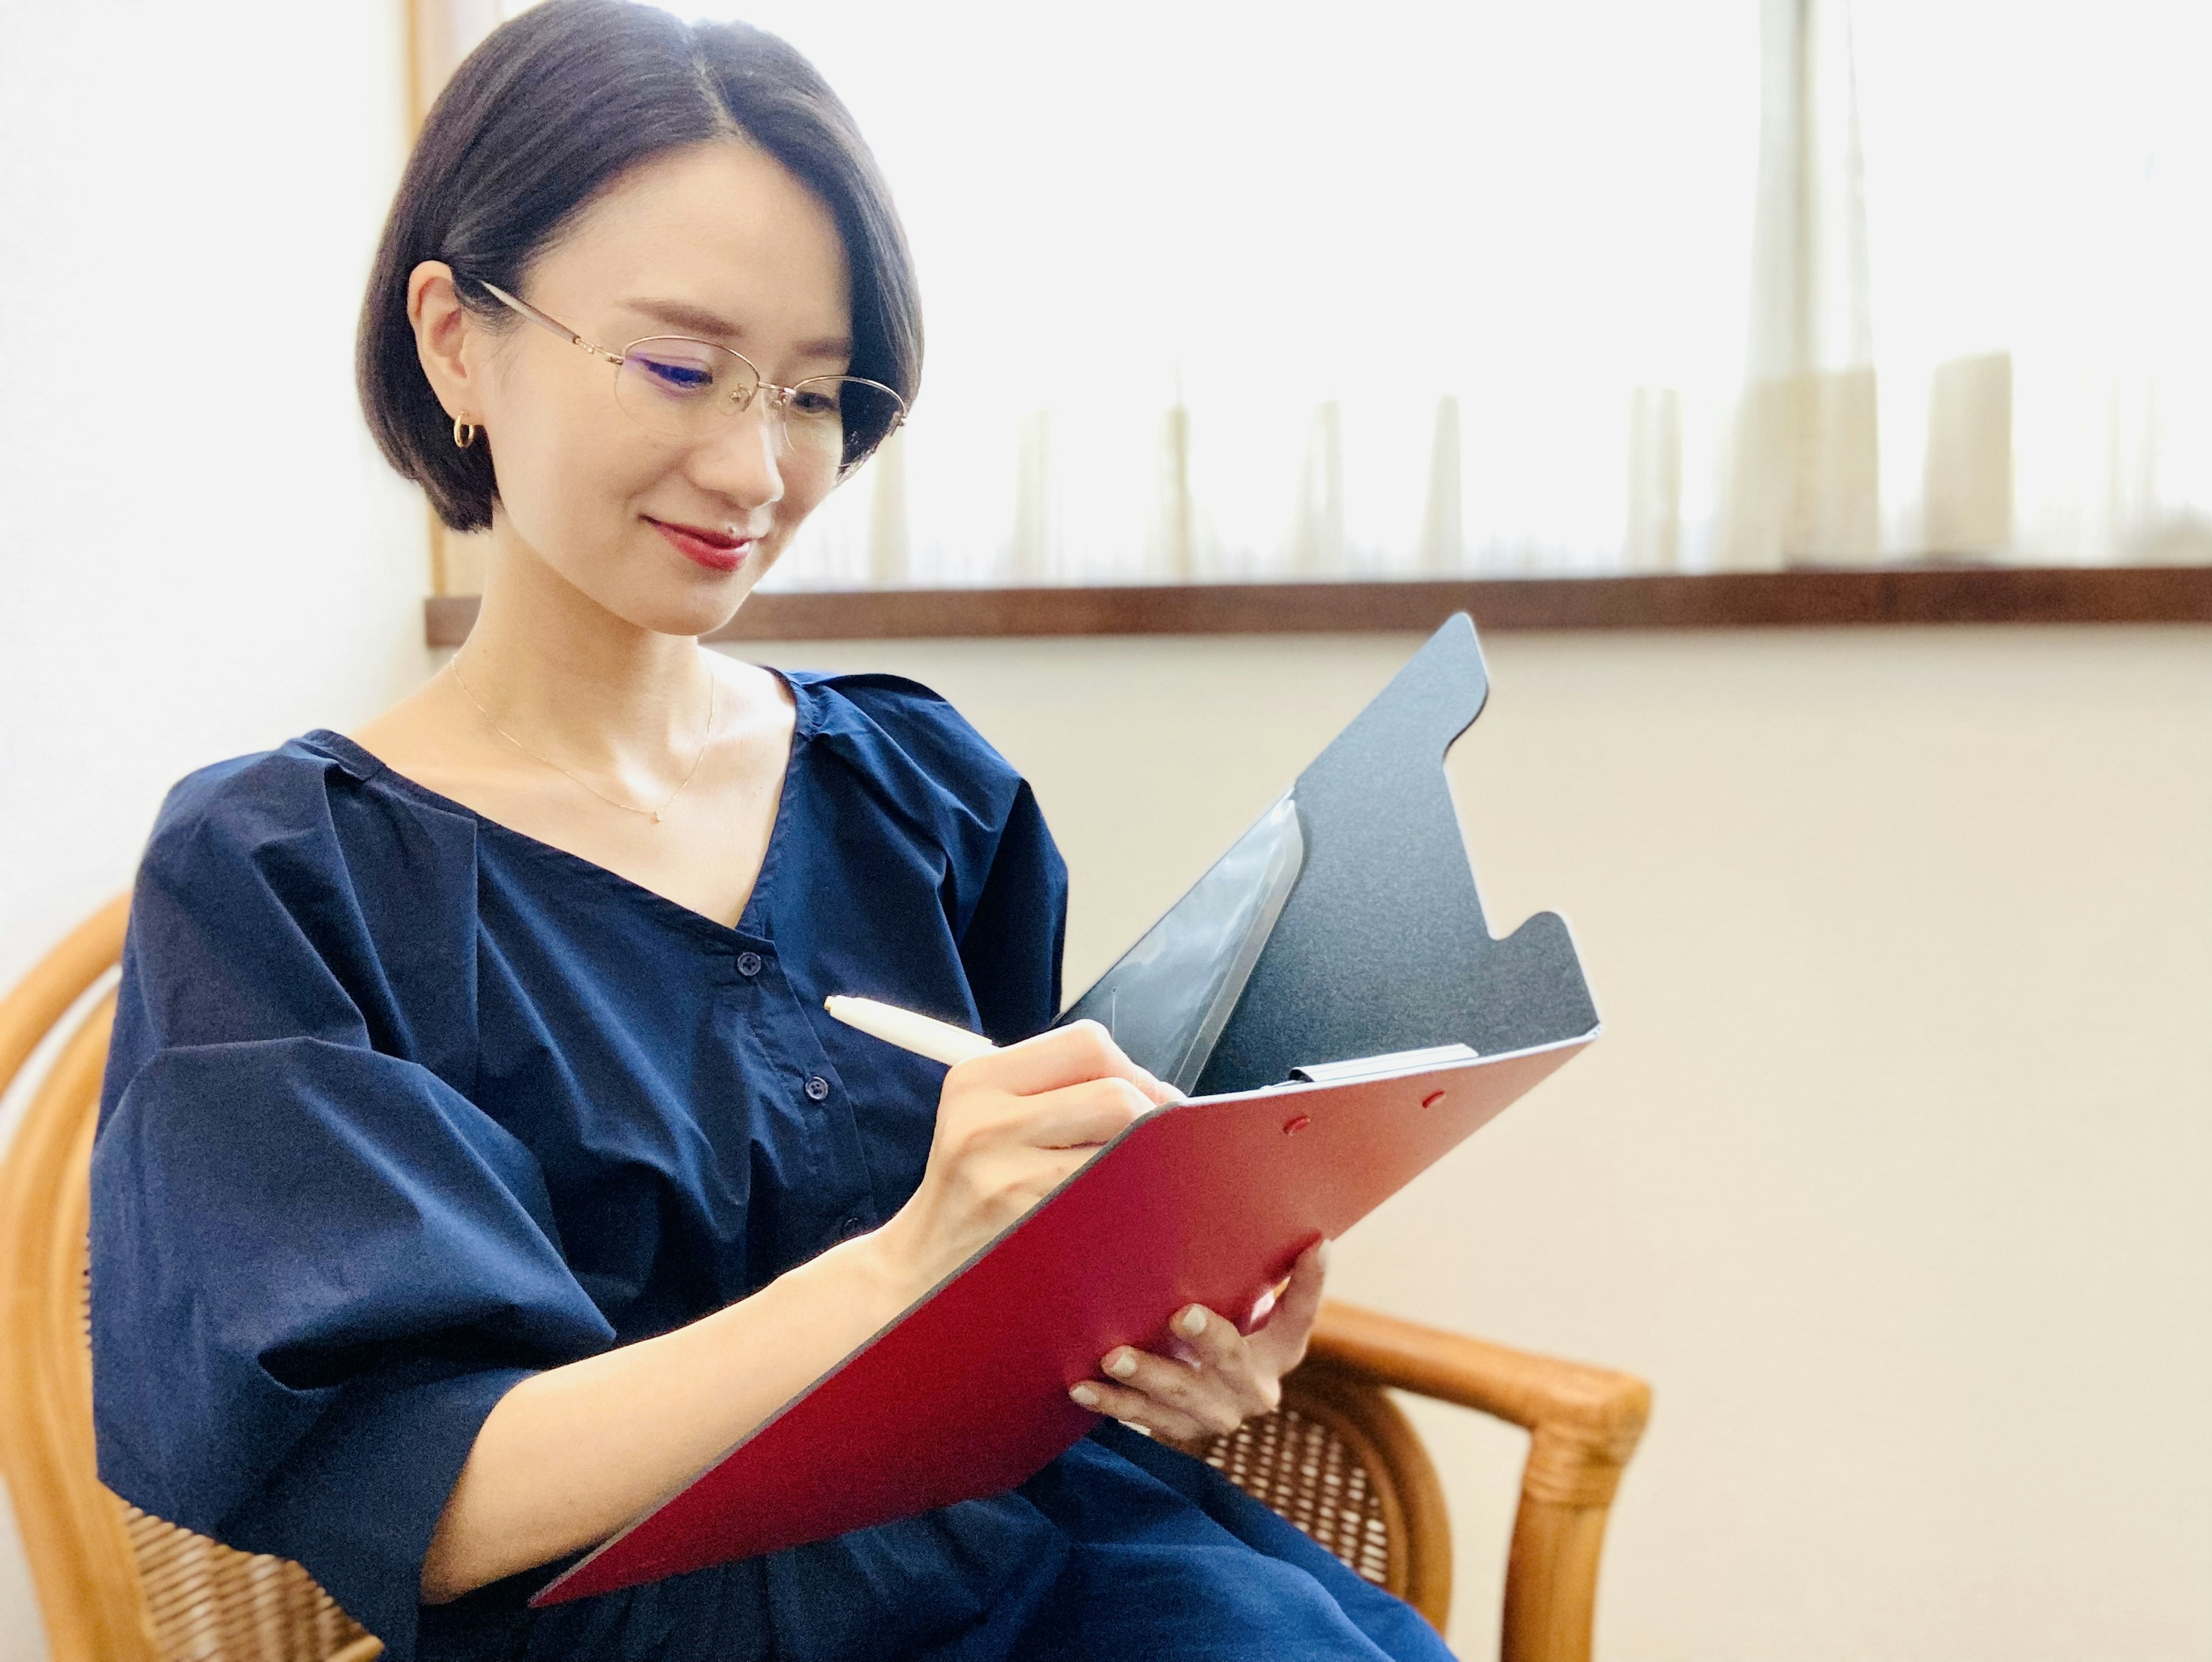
(474, 1163)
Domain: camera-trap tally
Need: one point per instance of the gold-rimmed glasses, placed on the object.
(678, 388)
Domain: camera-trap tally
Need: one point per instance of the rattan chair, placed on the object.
(1338, 1458)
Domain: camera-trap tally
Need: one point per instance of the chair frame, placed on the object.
(1584, 1422)
(72, 1533)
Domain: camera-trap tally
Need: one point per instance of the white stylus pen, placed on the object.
(940, 1041)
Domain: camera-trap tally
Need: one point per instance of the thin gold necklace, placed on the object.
(713, 691)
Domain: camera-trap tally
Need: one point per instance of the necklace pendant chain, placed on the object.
(707, 738)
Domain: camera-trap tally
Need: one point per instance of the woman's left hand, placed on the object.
(1221, 1377)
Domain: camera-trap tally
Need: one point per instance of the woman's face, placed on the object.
(719, 242)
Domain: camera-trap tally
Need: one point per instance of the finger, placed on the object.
(1301, 1299)
(1134, 1408)
(1264, 1305)
(1288, 1324)
(1080, 1116)
(1218, 1401)
(1073, 1054)
(1214, 1343)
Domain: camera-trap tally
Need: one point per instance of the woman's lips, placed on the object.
(711, 548)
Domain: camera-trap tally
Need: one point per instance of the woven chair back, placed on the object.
(1340, 1460)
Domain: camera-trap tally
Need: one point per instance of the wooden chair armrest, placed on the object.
(1583, 1425)
(1602, 1407)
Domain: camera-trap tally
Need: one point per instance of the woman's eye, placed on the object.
(674, 376)
(813, 401)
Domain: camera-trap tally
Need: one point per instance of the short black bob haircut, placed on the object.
(553, 106)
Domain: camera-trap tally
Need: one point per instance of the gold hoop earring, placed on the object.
(465, 434)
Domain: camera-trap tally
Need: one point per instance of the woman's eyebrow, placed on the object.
(697, 320)
(681, 315)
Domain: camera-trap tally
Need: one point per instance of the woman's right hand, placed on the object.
(1010, 1127)
(569, 1454)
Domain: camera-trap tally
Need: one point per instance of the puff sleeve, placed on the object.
(316, 1264)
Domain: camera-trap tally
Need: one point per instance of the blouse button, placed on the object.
(817, 1087)
(748, 963)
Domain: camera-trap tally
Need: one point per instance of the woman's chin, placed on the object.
(684, 605)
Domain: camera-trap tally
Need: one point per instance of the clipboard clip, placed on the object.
(1397, 1062)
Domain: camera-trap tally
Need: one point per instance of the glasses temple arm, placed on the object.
(543, 321)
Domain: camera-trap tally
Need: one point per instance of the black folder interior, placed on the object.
(1345, 923)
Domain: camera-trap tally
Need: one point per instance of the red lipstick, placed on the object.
(714, 550)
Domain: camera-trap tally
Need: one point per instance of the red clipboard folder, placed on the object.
(965, 1395)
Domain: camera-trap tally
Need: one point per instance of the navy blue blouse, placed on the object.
(404, 1105)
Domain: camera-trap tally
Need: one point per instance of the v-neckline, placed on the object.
(753, 920)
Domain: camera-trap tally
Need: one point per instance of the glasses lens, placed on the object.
(838, 419)
(684, 389)
(675, 386)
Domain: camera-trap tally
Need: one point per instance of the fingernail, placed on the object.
(1084, 1395)
(1191, 1323)
(1121, 1366)
(1321, 1254)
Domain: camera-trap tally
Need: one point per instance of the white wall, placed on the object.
(199, 552)
(1891, 1172)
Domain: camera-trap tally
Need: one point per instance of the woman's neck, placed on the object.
(553, 667)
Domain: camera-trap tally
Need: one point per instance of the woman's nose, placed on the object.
(743, 460)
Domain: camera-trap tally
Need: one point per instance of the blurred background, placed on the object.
(1890, 1173)
(1589, 286)
(1227, 290)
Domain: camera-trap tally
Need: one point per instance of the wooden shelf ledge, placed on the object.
(1808, 598)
